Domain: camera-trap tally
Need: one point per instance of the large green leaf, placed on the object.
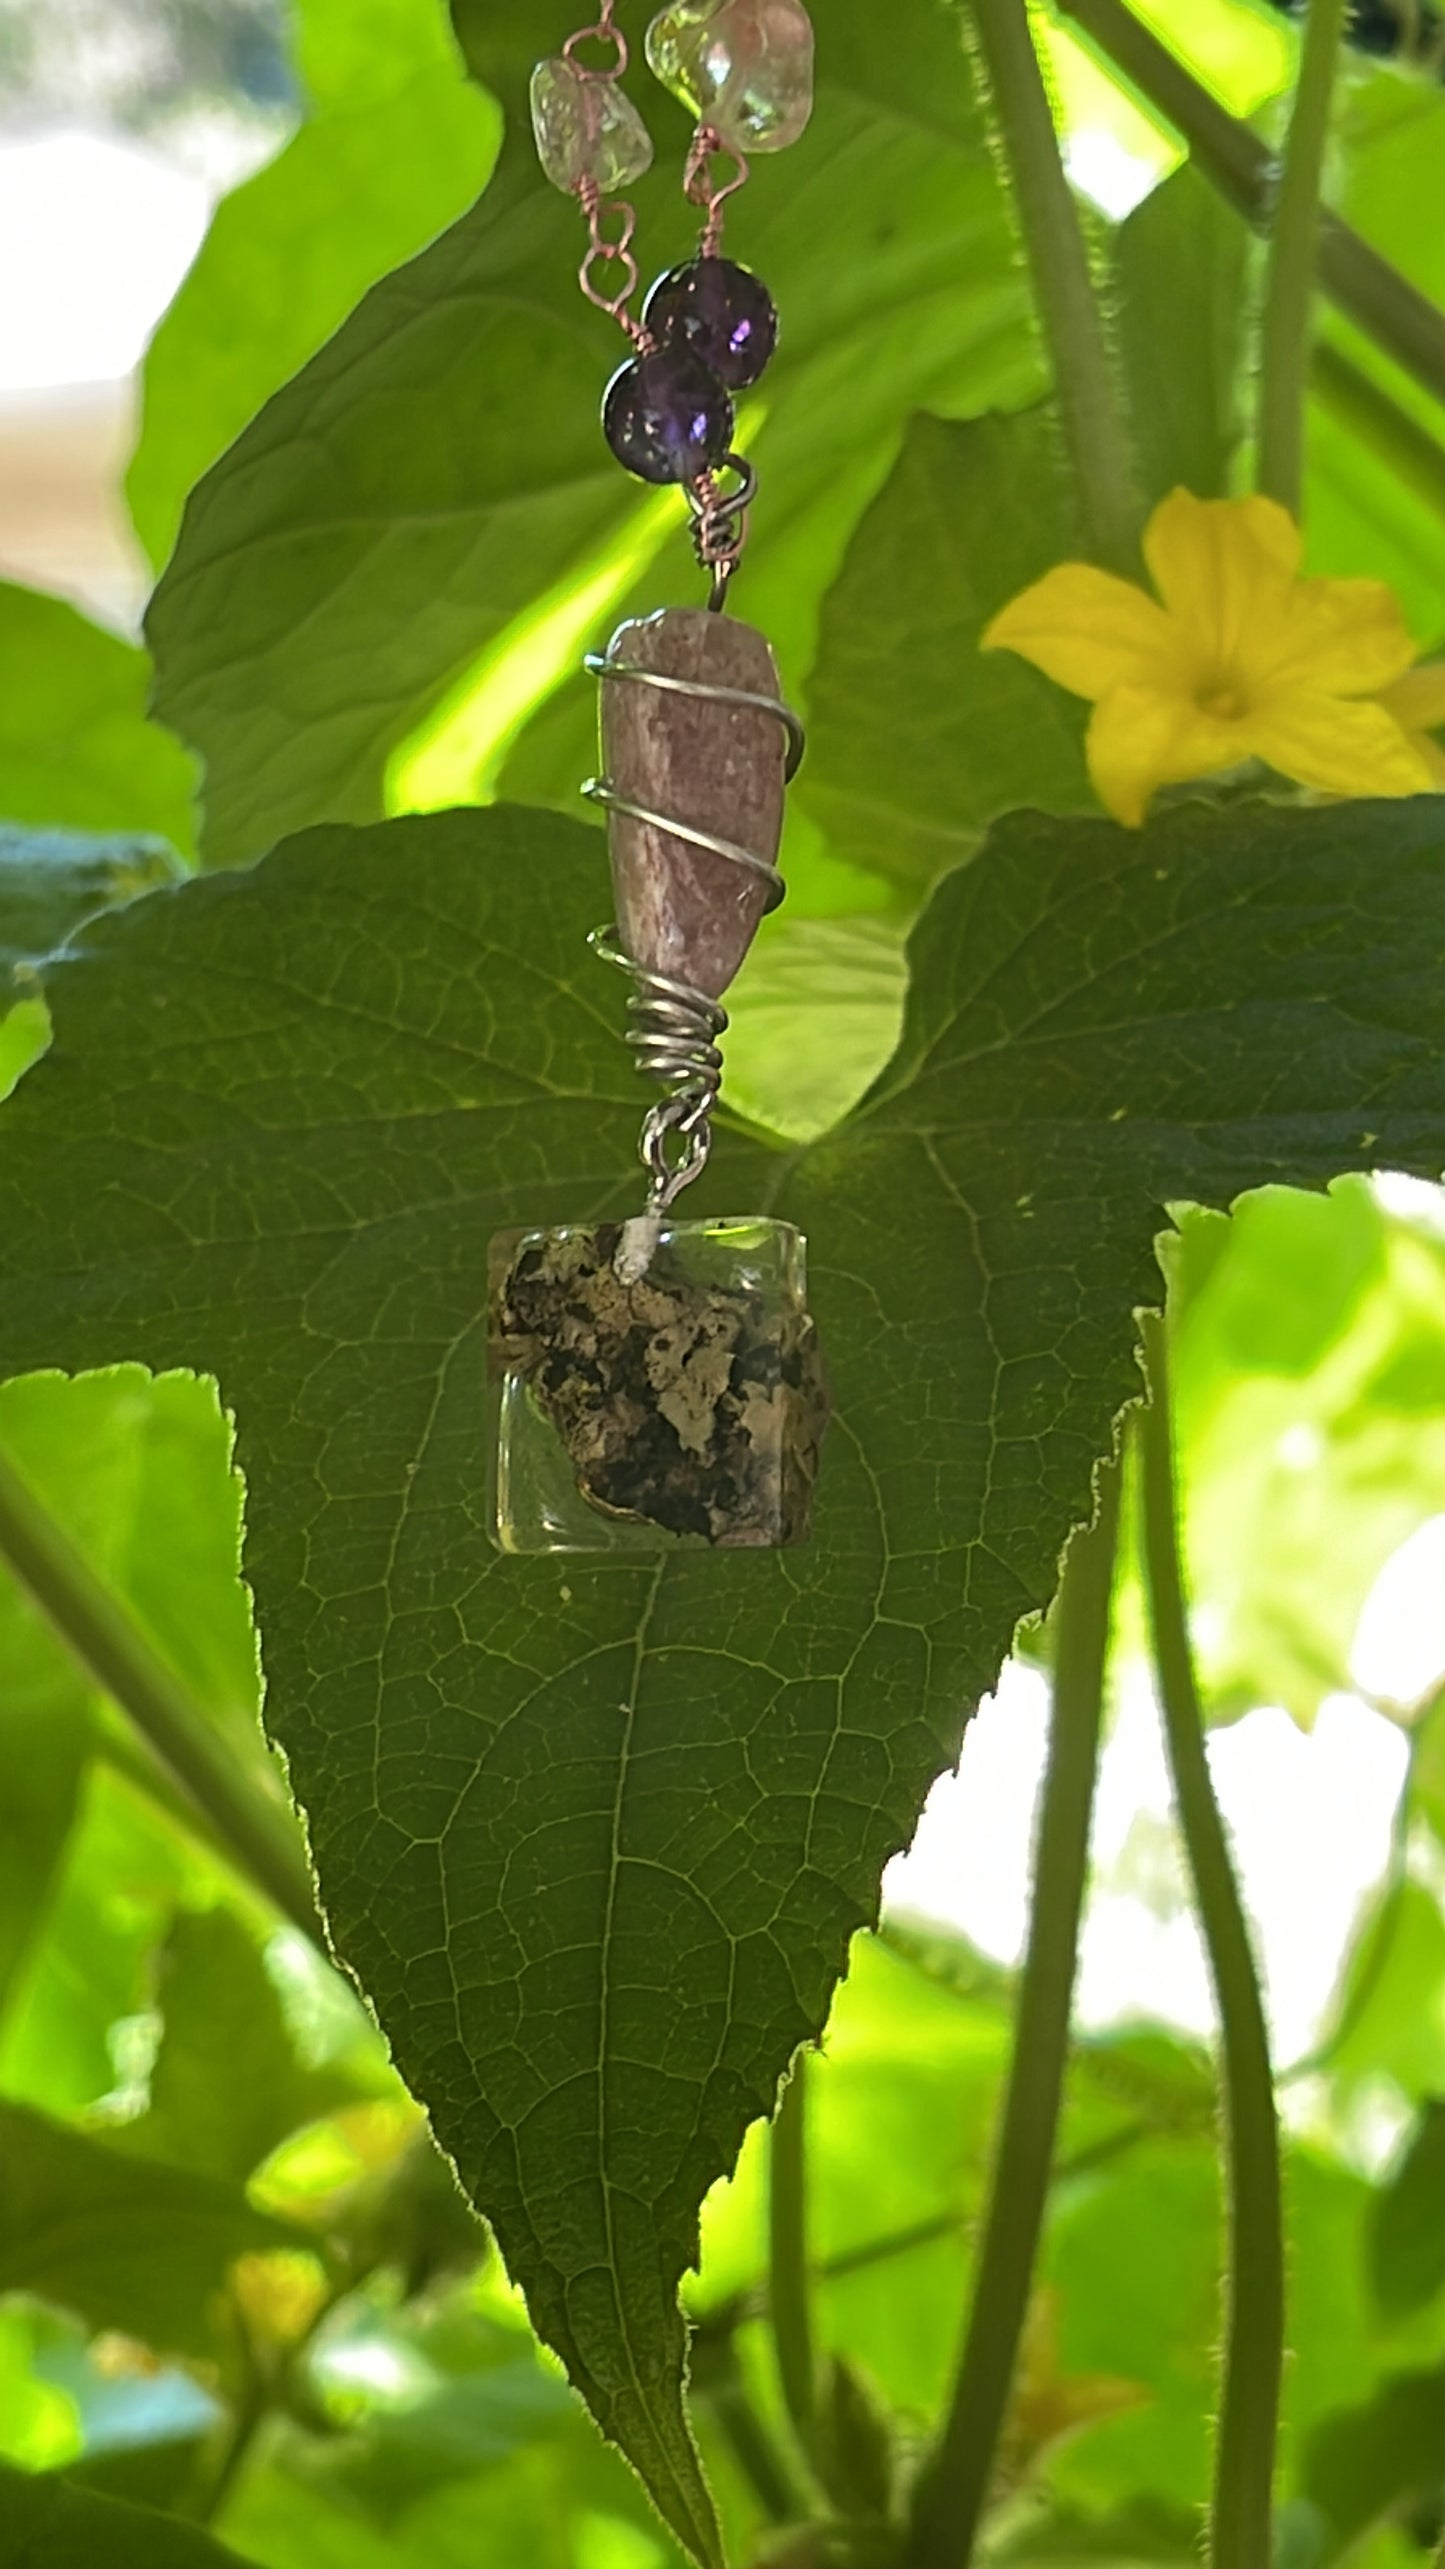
(76, 749)
(47, 2524)
(917, 740)
(396, 148)
(595, 1835)
(438, 467)
(122, 2242)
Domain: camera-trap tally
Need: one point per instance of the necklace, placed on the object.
(656, 1382)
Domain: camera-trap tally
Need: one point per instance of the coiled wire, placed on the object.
(676, 1031)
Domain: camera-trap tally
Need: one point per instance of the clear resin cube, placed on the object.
(677, 1408)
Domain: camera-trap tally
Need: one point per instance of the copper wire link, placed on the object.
(602, 32)
(600, 251)
(700, 190)
(721, 521)
(676, 1031)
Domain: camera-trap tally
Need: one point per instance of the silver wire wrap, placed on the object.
(676, 1031)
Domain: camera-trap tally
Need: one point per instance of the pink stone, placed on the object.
(743, 66)
(681, 910)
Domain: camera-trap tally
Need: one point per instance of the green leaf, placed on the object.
(353, 528)
(1131, 2261)
(44, 1742)
(397, 146)
(138, 1472)
(1394, 2006)
(1310, 1370)
(917, 738)
(1388, 2454)
(122, 2242)
(1407, 2243)
(815, 1016)
(47, 2524)
(1180, 286)
(1374, 508)
(76, 749)
(227, 2085)
(379, 1047)
(125, 1865)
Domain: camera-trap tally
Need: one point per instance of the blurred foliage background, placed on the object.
(236, 2280)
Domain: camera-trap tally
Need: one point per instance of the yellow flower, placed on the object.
(1242, 659)
(1417, 702)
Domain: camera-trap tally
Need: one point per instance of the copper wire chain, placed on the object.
(604, 251)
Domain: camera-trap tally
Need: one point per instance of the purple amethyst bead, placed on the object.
(722, 313)
(666, 417)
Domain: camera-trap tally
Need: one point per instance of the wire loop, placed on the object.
(707, 194)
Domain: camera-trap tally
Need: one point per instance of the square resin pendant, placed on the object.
(679, 1408)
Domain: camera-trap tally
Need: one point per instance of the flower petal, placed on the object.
(1140, 738)
(1434, 757)
(1346, 637)
(1335, 746)
(1418, 699)
(1086, 630)
(1223, 567)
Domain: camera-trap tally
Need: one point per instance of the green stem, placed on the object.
(954, 2489)
(1093, 419)
(1289, 298)
(1405, 323)
(1254, 2334)
(790, 2286)
(257, 1832)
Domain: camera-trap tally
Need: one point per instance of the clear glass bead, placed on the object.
(743, 66)
(678, 1410)
(586, 129)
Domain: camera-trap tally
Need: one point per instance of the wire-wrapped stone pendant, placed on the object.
(658, 1384)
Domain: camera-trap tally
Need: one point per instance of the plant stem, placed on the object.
(789, 2282)
(257, 1832)
(1405, 323)
(1094, 424)
(1294, 261)
(954, 2488)
(1254, 2337)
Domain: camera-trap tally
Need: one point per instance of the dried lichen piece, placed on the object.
(683, 1401)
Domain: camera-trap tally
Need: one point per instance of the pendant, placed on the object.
(657, 1384)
